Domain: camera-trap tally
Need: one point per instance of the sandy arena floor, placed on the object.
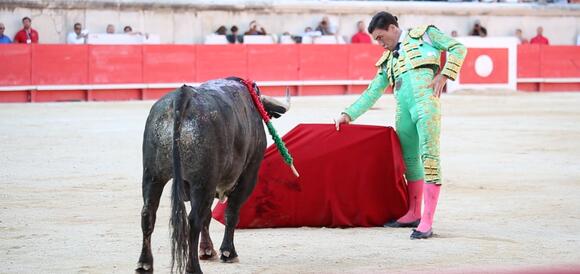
(70, 193)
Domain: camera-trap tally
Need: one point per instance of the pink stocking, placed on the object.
(415, 197)
(431, 198)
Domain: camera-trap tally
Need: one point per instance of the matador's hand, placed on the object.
(343, 119)
(438, 84)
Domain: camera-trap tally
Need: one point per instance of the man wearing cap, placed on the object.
(411, 63)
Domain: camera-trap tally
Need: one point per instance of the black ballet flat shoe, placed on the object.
(397, 224)
(421, 235)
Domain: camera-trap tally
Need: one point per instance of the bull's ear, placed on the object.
(273, 107)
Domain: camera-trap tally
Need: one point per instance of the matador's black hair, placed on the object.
(382, 20)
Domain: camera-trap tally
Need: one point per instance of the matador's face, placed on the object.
(387, 38)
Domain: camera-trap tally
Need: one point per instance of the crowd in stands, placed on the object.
(324, 28)
(28, 35)
(481, 31)
(310, 35)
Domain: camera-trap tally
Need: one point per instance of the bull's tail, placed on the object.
(179, 223)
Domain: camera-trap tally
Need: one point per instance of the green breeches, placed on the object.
(418, 124)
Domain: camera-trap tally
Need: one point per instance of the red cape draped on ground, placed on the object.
(349, 178)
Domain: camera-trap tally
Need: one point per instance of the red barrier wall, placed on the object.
(53, 65)
(16, 68)
(548, 61)
(31, 65)
(217, 61)
(528, 61)
(560, 61)
(58, 96)
(126, 64)
(272, 62)
(169, 64)
(323, 62)
(361, 61)
(115, 64)
(544, 62)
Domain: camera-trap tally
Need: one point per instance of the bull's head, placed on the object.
(276, 108)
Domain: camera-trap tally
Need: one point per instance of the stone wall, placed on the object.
(187, 22)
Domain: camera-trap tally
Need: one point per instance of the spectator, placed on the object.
(221, 30)
(309, 32)
(540, 39)
(77, 36)
(3, 38)
(27, 34)
(454, 33)
(110, 29)
(255, 29)
(361, 36)
(478, 30)
(309, 35)
(324, 27)
(235, 37)
(520, 36)
(129, 30)
(294, 38)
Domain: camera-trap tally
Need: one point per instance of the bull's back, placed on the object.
(220, 129)
(225, 130)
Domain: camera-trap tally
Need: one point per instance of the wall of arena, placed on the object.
(187, 22)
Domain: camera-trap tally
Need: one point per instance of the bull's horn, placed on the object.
(288, 97)
(275, 103)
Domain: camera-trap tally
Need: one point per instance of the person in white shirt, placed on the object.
(77, 36)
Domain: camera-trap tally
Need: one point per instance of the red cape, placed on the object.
(349, 178)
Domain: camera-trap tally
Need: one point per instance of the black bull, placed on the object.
(211, 141)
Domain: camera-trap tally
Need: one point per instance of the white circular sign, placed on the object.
(483, 66)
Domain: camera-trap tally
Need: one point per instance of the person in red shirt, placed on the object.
(26, 35)
(540, 39)
(361, 36)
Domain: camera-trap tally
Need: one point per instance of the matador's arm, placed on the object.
(456, 51)
(370, 96)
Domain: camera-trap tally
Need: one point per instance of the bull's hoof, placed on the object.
(230, 261)
(229, 257)
(144, 268)
(208, 254)
(190, 271)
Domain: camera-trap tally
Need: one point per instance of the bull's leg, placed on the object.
(206, 250)
(151, 195)
(200, 209)
(227, 249)
(235, 202)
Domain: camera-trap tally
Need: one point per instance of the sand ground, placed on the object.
(70, 192)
